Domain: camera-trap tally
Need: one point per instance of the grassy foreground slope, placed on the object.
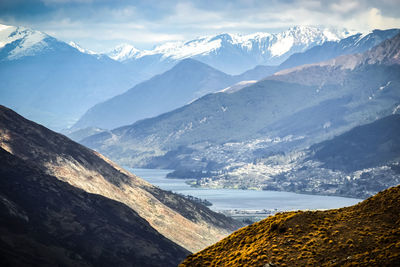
(367, 234)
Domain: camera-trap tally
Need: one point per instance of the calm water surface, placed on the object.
(227, 199)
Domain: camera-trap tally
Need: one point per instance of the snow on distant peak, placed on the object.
(81, 49)
(30, 41)
(304, 36)
(182, 50)
(201, 46)
(123, 52)
(260, 46)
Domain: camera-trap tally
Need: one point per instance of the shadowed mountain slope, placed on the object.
(362, 235)
(363, 147)
(47, 222)
(188, 224)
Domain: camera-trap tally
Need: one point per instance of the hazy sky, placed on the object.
(101, 24)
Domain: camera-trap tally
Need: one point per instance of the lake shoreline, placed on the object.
(244, 199)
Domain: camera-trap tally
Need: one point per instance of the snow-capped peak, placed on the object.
(303, 37)
(29, 41)
(81, 49)
(258, 45)
(123, 52)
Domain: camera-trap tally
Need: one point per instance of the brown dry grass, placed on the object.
(367, 234)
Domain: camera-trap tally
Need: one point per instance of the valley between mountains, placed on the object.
(309, 110)
(272, 134)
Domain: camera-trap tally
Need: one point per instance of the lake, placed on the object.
(230, 199)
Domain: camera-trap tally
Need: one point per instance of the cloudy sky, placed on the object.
(101, 24)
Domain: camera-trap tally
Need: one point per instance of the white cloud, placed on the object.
(377, 21)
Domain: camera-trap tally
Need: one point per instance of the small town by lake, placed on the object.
(245, 200)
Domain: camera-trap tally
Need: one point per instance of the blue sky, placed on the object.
(99, 25)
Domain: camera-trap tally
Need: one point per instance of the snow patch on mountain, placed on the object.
(238, 86)
(30, 41)
(123, 52)
(182, 50)
(81, 49)
(282, 46)
(262, 43)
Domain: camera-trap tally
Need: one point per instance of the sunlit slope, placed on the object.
(367, 234)
(191, 225)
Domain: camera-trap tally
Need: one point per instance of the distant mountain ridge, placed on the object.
(353, 44)
(84, 78)
(230, 53)
(185, 82)
(327, 72)
(132, 106)
(52, 82)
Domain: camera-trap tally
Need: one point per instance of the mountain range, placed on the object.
(230, 53)
(34, 63)
(283, 113)
(187, 223)
(52, 82)
(185, 82)
(189, 79)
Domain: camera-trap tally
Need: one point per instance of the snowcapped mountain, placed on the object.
(52, 82)
(357, 43)
(233, 53)
(123, 52)
(20, 41)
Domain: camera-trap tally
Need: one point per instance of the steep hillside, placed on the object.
(53, 83)
(366, 234)
(47, 222)
(363, 147)
(186, 223)
(186, 81)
